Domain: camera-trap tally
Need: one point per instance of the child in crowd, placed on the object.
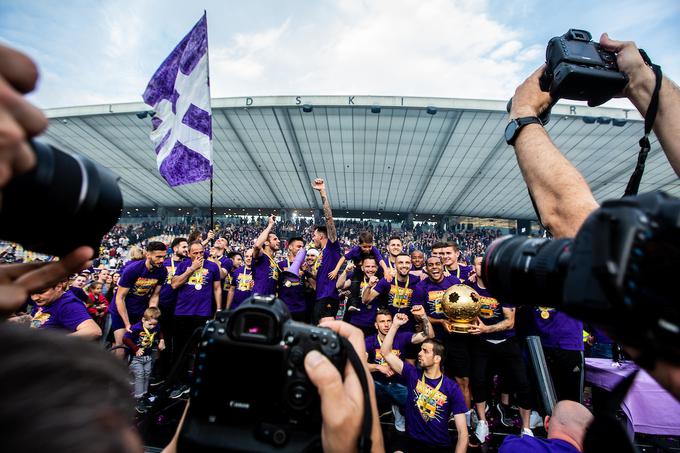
(141, 340)
(97, 305)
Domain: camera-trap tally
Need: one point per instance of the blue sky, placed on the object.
(95, 52)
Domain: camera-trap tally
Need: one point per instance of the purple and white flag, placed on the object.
(179, 92)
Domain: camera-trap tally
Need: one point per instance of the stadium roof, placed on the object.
(429, 156)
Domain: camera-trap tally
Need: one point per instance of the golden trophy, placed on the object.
(461, 304)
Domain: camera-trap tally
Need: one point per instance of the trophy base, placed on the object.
(459, 327)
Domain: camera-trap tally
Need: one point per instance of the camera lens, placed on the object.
(524, 271)
(79, 200)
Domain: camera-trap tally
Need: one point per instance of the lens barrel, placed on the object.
(526, 271)
(64, 202)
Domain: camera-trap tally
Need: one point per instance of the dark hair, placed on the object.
(231, 255)
(295, 238)
(384, 312)
(194, 236)
(439, 245)
(404, 254)
(177, 241)
(437, 348)
(156, 246)
(321, 229)
(369, 257)
(61, 394)
(393, 237)
(365, 237)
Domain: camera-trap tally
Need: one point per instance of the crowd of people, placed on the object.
(381, 288)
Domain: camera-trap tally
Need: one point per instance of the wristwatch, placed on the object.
(515, 125)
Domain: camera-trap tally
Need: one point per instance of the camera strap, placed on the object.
(636, 177)
(364, 443)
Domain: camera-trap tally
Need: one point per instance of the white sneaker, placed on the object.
(535, 420)
(482, 431)
(399, 419)
(527, 432)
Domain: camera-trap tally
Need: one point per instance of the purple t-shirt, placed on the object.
(168, 296)
(557, 330)
(142, 283)
(462, 273)
(194, 298)
(429, 294)
(242, 279)
(401, 341)
(365, 317)
(429, 408)
(79, 293)
(141, 340)
(66, 313)
(355, 254)
(399, 294)
(515, 444)
(265, 275)
(291, 293)
(325, 263)
(491, 313)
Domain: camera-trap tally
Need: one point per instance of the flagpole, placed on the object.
(212, 172)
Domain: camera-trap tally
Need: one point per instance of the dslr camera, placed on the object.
(250, 391)
(578, 68)
(619, 272)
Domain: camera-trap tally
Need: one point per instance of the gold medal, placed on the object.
(287, 284)
(545, 314)
(198, 286)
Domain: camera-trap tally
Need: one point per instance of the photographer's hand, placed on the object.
(17, 281)
(342, 401)
(529, 99)
(19, 120)
(639, 90)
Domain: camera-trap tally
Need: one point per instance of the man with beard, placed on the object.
(363, 317)
(395, 247)
(399, 291)
(325, 238)
(167, 300)
(139, 288)
(265, 270)
(388, 388)
(429, 293)
(292, 292)
(432, 397)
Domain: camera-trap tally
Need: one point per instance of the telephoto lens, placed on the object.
(64, 202)
(527, 271)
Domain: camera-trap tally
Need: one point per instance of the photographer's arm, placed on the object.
(639, 90)
(560, 192)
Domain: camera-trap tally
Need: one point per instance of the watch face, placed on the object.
(510, 131)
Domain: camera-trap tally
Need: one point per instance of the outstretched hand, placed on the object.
(17, 281)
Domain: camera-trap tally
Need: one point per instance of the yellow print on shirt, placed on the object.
(429, 401)
(143, 286)
(39, 319)
(489, 306)
(245, 282)
(317, 263)
(401, 297)
(171, 273)
(198, 277)
(435, 300)
(380, 360)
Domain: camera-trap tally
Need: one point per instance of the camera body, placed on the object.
(619, 272)
(578, 68)
(250, 391)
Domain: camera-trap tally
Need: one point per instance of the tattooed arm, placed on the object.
(320, 185)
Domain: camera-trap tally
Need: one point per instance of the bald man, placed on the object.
(566, 430)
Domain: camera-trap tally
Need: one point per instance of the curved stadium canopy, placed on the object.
(429, 156)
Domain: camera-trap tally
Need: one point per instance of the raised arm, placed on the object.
(428, 331)
(262, 238)
(560, 192)
(320, 185)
